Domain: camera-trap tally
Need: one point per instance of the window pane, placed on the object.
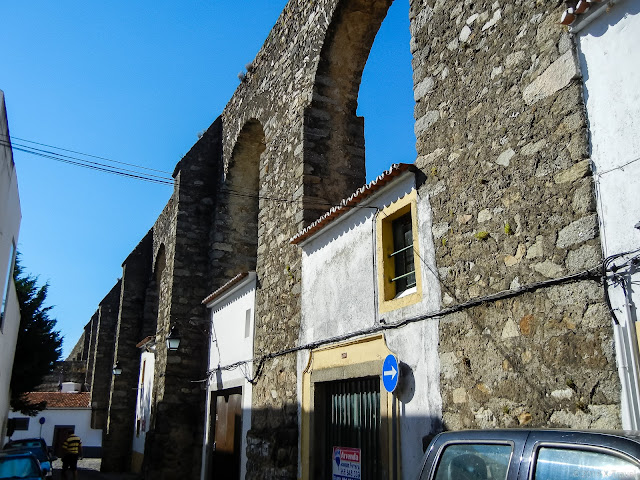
(473, 462)
(570, 464)
(22, 423)
(8, 279)
(403, 238)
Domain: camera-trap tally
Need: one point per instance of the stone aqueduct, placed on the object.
(490, 143)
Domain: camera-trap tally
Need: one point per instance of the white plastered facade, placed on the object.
(608, 41)
(232, 317)
(340, 295)
(10, 217)
(79, 418)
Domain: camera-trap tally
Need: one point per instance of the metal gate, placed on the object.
(352, 420)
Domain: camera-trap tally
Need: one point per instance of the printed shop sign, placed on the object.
(346, 463)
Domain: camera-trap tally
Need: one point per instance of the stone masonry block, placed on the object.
(557, 76)
(579, 231)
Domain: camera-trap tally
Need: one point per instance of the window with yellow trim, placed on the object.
(399, 282)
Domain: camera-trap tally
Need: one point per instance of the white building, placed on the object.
(65, 412)
(607, 35)
(9, 227)
(367, 263)
(228, 407)
(143, 401)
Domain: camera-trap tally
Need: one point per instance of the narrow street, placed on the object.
(89, 469)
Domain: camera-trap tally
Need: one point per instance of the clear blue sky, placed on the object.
(135, 82)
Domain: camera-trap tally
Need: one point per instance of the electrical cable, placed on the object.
(105, 168)
(234, 192)
(90, 165)
(38, 151)
(619, 167)
(607, 267)
(86, 154)
(589, 274)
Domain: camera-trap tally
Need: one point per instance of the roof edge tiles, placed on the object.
(227, 286)
(145, 341)
(61, 400)
(580, 9)
(357, 197)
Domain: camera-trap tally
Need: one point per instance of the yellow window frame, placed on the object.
(387, 296)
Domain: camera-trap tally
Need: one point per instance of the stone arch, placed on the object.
(152, 298)
(333, 133)
(235, 242)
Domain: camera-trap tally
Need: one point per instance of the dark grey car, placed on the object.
(532, 455)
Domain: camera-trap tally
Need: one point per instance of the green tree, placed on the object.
(39, 346)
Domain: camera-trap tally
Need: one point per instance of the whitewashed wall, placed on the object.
(610, 63)
(78, 417)
(10, 217)
(143, 401)
(232, 341)
(339, 295)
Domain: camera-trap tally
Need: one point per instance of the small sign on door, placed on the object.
(346, 463)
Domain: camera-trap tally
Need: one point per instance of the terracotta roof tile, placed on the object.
(145, 340)
(225, 287)
(61, 400)
(578, 8)
(348, 203)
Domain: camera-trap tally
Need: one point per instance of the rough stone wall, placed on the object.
(502, 139)
(502, 143)
(117, 439)
(544, 359)
(175, 449)
(78, 349)
(91, 332)
(102, 355)
(65, 371)
(304, 95)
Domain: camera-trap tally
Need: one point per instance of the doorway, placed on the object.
(60, 434)
(348, 419)
(226, 432)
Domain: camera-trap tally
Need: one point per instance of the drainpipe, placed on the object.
(374, 222)
(632, 372)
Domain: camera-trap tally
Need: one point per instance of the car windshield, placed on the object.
(18, 467)
(37, 451)
(27, 443)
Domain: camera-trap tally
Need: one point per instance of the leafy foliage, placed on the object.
(39, 346)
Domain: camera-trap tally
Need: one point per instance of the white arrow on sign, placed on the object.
(390, 373)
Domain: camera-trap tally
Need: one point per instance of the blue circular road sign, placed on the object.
(390, 373)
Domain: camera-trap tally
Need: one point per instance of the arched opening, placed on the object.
(386, 98)
(334, 132)
(235, 242)
(152, 299)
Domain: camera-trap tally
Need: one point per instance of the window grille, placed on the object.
(404, 271)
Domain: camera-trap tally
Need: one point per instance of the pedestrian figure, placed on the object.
(71, 450)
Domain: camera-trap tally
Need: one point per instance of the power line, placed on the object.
(590, 274)
(87, 154)
(90, 165)
(37, 151)
(136, 175)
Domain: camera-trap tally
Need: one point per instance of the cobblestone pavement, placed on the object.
(89, 469)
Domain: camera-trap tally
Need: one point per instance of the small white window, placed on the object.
(247, 324)
(21, 423)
